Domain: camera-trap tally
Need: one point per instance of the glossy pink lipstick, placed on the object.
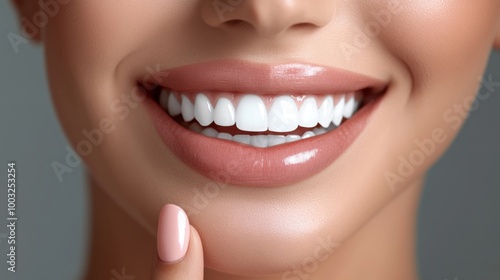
(244, 165)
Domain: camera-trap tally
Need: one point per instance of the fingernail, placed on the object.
(173, 234)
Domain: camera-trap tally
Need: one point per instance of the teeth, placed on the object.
(174, 107)
(225, 136)
(243, 139)
(325, 114)
(251, 114)
(292, 138)
(349, 107)
(283, 116)
(187, 109)
(210, 132)
(259, 141)
(308, 115)
(320, 131)
(308, 134)
(276, 140)
(338, 112)
(224, 114)
(203, 110)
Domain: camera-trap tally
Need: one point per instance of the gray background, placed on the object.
(459, 230)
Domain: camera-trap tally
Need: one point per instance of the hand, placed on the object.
(180, 252)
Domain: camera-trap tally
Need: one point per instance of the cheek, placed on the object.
(84, 45)
(442, 41)
(98, 35)
(446, 48)
(437, 53)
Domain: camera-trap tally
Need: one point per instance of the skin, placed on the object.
(431, 53)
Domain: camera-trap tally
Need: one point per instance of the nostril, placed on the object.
(304, 26)
(238, 24)
(235, 22)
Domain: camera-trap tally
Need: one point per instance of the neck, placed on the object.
(383, 249)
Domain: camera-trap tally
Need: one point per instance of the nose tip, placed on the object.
(267, 17)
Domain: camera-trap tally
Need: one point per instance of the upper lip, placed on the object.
(237, 76)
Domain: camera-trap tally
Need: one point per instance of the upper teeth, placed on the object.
(251, 113)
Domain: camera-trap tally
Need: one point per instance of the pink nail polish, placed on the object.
(173, 234)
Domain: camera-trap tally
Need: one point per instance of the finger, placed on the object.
(180, 252)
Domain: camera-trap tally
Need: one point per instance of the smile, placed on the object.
(258, 125)
(256, 120)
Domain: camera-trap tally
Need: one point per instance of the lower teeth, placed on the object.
(259, 141)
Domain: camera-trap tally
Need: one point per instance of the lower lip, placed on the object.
(243, 165)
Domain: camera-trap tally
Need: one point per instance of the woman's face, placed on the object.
(420, 61)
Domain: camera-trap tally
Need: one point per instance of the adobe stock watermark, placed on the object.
(323, 250)
(222, 7)
(407, 165)
(31, 27)
(122, 275)
(454, 117)
(362, 37)
(458, 112)
(92, 138)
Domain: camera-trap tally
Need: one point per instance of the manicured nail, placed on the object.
(173, 234)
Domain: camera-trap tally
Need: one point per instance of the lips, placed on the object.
(261, 125)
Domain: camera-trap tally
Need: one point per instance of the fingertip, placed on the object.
(179, 247)
(173, 234)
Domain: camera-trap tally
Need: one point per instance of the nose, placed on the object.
(267, 17)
